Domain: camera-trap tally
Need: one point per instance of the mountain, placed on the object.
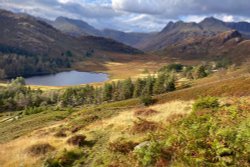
(29, 46)
(80, 28)
(229, 44)
(74, 27)
(180, 31)
(172, 33)
(214, 25)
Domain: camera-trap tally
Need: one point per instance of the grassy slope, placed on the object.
(15, 128)
(236, 86)
(105, 123)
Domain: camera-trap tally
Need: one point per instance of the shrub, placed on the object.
(66, 158)
(60, 133)
(40, 149)
(77, 140)
(33, 110)
(145, 112)
(223, 63)
(19, 81)
(143, 125)
(206, 103)
(122, 146)
(68, 53)
(175, 118)
(76, 129)
(204, 138)
(200, 72)
(172, 67)
(148, 154)
(147, 100)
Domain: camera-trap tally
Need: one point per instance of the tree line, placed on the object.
(117, 91)
(19, 62)
(17, 96)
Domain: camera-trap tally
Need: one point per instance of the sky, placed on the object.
(133, 15)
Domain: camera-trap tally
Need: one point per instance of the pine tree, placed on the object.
(127, 89)
(98, 95)
(115, 93)
(107, 92)
(148, 88)
(138, 87)
(200, 72)
(159, 85)
(170, 85)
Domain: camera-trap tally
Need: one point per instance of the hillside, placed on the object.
(180, 129)
(29, 46)
(226, 45)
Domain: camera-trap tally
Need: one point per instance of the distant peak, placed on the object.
(60, 18)
(63, 18)
(211, 20)
(180, 25)
(179, 22)
(72, 21)
(170, 23)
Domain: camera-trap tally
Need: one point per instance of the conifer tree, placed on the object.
(200, 72)
(138, 87)
(148, 88)
(170, 85)
(159, 85)
(127, 89)
(107, 92)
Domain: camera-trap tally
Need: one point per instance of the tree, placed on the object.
(127, 89)
(187, 72)
(170, 86)
(107, 92)
(98, 95)
(148, 88)
(172, 67)
(147, 100)
(138, 87)
(69, 53)
(118, 92)
(159, 84)
(200, 72)
(19, 81)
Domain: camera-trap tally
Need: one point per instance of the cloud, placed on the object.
(177, 8)
(51, 8)
(132, 15)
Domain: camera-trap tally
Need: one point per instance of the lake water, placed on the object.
(68, 78)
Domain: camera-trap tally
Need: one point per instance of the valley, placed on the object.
(73, 95)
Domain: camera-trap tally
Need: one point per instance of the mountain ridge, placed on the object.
(81, 28)
(208, 27)
(30, 46)
(174, 33)
(225, 45)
